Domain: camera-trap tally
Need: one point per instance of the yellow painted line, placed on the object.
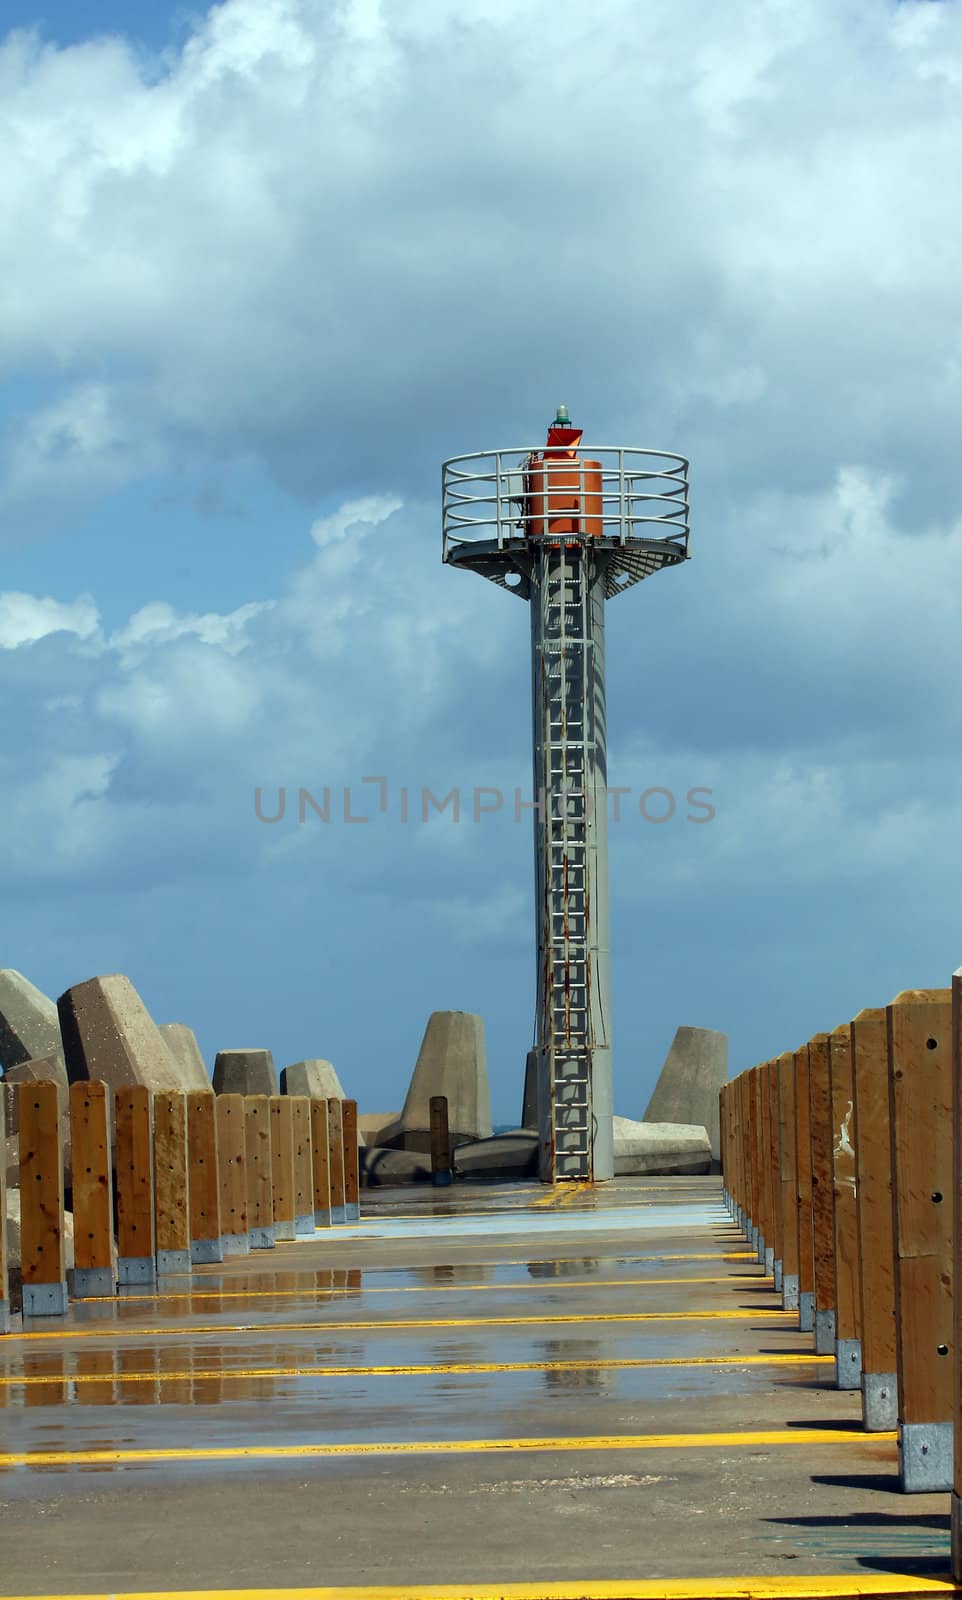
(410, 1370)
(840, 1586)
(543, 1284)
(851, 1586)
(843, 1586)
(443, 1447)
(112, 1330)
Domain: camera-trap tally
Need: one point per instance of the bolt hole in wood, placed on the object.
(943, 1349)
(936, 1198)
(931, 1044)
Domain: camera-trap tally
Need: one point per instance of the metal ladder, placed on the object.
(566, 1022)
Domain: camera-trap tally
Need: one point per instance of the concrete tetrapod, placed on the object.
(109, 1034)
(182, 1043)
(646, 1148)
(245, 1072)
(687, 1090)
(29, 1026)
(452, 1061)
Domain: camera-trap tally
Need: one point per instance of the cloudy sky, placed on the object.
(263, 268)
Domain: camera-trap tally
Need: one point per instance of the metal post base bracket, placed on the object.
(339, 1213)
(92, 1283)
(172, 1263)
(790, 1291)
(880, 1402)
(760, 1250)
(262, 1238)
(806, 1312)
(45, 1299)
(135, 1271)
(825, 1333)
(769, 1261)
(848, 1363)
(206, 1252)
(304, 1225)
(4, 1316)
(777, 1276)
(925, 1457)
(236, 1244)
(323, 1219)
(285, 1231)
(352, 1213)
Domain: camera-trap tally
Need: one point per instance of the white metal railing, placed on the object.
(637, 494)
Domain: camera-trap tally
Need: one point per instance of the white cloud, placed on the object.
(25, 618)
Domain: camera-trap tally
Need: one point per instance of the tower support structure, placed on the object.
(566, 531)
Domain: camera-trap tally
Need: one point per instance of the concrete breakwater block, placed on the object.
(452, 1061)
(371, 1125)
(687, 1090)
(315, 1077)
(383, 1169)
(663, 1148)
(108, 1033)
(181, 1041)
(29, 1025)
(245, 1072)
(504, 1156)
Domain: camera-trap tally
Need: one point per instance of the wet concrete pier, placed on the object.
(484, 1392)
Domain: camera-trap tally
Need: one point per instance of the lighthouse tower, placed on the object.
(566, 529)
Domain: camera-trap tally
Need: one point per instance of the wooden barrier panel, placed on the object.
(282, 1166)
(956, 1503)
(320, 1161)
(4, 1263)
(206, 1245)
(335, 1146)
(352, 1172)
(873, 1213)
(761, 1165)
(135, 1187)
(823, 1193)
(95, 1272)
(848, 1320)
(789, 1181)
(919, 1036)
(303, 1167)
(803, 1168)
(171, 1198)
(232, 1172)
(260, 1184)
(42, 1257)
(771, 1076)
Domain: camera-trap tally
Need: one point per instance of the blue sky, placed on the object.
(265, 267)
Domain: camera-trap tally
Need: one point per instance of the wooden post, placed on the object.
(803, 1168)
(335, 1145)
(823, 1194)
(761, 1164)
(171, 1199)
(873, 1214)
(775, 1137)
(848, 1320)
(320, 1160)
(745, 1157)
(303, 1166)
(4, 1262)
(789, 1181)
(282, 1166)
(440, 1142)
(42, 1258)
(956, 1504)
(232, 1171)
(95, 1273)
(352, 1173)
(206, 1245)
(754, 1210)
(260, 1187)
(135, 1187)
(919, 1031)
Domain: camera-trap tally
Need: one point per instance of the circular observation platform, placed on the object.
(626, 505)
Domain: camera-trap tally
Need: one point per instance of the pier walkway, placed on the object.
(478, 1392)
